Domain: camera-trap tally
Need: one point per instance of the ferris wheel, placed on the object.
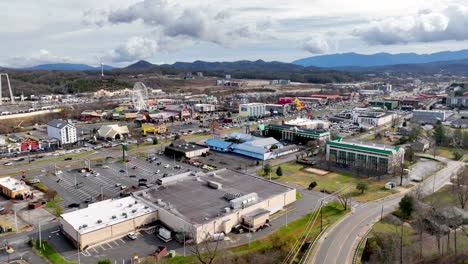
(139, 96)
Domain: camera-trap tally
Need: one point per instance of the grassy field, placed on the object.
(331, 213)
(334, 181)
(48, 252)
(443, 197)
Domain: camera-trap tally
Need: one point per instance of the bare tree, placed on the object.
(206, 251)
(461, 188)
(344, 199)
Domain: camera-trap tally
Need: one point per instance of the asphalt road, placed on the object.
(337, 245)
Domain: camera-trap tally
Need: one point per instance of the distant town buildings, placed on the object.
(280, 82)
(252, 110)
(457, 101)
(204, 108)
(63, 131)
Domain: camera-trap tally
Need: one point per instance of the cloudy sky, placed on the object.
(119, 32)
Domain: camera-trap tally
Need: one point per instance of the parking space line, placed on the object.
(116, 243)
(95, 250)
(109, 245)
(123, 241)
(103, 248)
(86, 253)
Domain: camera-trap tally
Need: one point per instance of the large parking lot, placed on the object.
(112, 178)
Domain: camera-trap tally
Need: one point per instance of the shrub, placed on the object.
(104, 261)
(362, 186)
(406, 206)
(279, 171)
(312, 185)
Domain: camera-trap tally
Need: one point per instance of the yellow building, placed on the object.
(13, 188)
(152, 128)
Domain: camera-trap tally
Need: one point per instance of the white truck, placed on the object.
(164, 234)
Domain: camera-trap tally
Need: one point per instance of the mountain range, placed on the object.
(450, 61)
(379, 59)
(67, 67)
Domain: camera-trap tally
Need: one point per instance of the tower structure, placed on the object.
(12, 98)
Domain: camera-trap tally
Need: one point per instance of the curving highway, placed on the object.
(339, 243)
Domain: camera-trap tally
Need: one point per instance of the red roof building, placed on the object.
(30, 144)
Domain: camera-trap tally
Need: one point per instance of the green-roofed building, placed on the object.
(381, 158)
(390, 105)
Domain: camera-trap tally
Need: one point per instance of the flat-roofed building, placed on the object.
(294, 134)
(379, 158)
(14, 188)
(181, 148)
(204, 204)
(106, 221)
(429, 116)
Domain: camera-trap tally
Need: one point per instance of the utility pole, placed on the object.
(79, 262)
(16, 221)
(381, 213)
(40, 236)
(321, 216)
(401, 244)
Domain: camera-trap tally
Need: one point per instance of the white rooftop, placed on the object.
(304, 121)
(105, 213)
(13, 184)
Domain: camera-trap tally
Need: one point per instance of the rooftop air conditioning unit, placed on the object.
(85, 226)
(134, 211)
(99, 221)
(124, 214)
(130, 205)
(113, 217)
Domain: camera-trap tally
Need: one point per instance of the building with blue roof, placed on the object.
(250, 146)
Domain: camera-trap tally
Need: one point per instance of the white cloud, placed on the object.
(427, 25)
(197, 23)
(42, 56)
(136, 48)
(318, 45)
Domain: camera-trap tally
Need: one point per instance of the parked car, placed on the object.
(8, 164)
(132, 236)
(69, 158)
(74, 205)
(132, 176)
(118, 185)
(122, 171)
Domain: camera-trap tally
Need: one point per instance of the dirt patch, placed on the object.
(317, 171)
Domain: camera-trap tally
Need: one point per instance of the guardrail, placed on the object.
(363, 238)
(311, 247)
